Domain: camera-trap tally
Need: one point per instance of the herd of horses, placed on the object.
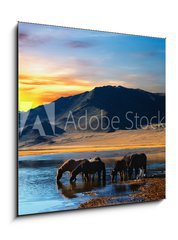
(129, 167)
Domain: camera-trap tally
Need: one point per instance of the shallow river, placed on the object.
(39, 193)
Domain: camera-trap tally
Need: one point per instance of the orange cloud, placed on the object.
(38, 90)
(52, 80)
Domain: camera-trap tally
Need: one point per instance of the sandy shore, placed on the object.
(94, 141)
(151, 189)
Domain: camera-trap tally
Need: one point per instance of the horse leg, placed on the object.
(145, 171)
(86, 177)
(83, 176)
(125, 175)
(130, 172)
(93, 177)
(99, 175)
(121, 175)
(142, 172)
(136, 173)
(116, 176)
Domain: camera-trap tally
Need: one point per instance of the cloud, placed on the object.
(44, 89)
(31, 40)
(79, 44)
(69, 80)
(23, 36)
(147, 54)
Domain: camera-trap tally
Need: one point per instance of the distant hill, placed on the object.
(111, 101)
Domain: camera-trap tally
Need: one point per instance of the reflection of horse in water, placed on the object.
(88, 168)
(69, 166)
(129, 164)
(71, 189)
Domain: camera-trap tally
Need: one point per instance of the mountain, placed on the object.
(122, 107)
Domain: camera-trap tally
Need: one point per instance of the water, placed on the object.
(38, 191)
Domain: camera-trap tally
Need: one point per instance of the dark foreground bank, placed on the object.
(151, 189)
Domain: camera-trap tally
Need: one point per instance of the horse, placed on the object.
(136, 162)
(90, 167)
(121, 167)
(68, 165)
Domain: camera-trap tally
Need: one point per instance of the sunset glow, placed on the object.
(57, 62)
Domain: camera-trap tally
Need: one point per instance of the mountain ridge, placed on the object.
(105, 86)
(112, 101)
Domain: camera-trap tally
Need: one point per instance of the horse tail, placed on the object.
(104, 172)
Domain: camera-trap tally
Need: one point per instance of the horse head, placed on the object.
(75, 172)
(78, 169)
(73, 178)
(127, 160)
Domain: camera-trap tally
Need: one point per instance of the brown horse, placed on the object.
(90, 167)
(136, 162)
(69, 166)
(121, 167)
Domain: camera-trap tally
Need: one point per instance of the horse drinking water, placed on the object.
(69, 166)
(90, 167)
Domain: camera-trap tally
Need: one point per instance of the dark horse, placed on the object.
(69, 165)
(90, 167)
(136, 162)
(121, 167)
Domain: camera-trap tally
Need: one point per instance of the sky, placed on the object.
(56, 62)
